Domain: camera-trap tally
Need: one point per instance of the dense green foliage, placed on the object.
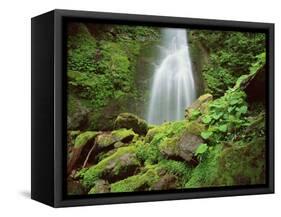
(230, 55)
(221, 141)
(102, 70)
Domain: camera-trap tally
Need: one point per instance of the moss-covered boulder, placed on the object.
(105, 140)
(109, 139)
(195, 127)
(84, 138)
(152, 132)
(200, 105)
(139, 182)
(243, 165)
(152, 177)
(82, 145)
(100, 186)
(166, 182)
(71, 136)
(181, 148)
(131, 121)
(119, 165)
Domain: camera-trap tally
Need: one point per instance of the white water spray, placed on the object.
(173, 83)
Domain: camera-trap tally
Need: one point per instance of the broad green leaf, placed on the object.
(243, 109)
(201, 149)
(206, 134)
(217, 116)
(206, 119)
(223, 128)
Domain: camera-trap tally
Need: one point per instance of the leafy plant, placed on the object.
(201, 151)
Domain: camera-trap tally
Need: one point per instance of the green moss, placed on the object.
(107, 139)
(243, 165)
(169, 145)
(205, 174)
(101, 67)
(131, 121)
(233, 165)
(149, 149)
(71, 136)
(81, 50)
(177, 168)
(123, 134)
(195, 127)
(137, 182)
(111, 165)
(147, 153)
(150, 175)
(83, 138)
(101, 186)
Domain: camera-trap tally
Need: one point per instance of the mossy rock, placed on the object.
(182, 148)
(120, 144)
(131, 121)
(153, 177)
(119, 165)
(166, 182)
(85, 137)
(199, 105)
(124, 135)
(82, 145)
(100, 186)
(195, 127)
(107, 139)
(168, 129)
(243, 165)
(71, 136)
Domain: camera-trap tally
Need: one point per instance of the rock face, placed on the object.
(182, 148)
(83, 144)
(78, 118)
(117, 166)
(200, 104)
(166, 182)
(103, 142)
(131, 121)
(101, 186)
(253, 93)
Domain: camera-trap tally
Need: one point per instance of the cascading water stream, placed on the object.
(173, 86)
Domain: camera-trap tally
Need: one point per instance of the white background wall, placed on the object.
(15, 106)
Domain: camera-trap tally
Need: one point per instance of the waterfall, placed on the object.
(173, 83)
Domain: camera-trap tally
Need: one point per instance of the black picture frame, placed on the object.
(49, 107)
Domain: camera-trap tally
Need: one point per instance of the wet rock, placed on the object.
(101, 186)
(166, 182)
(108, 139)
(131, 121)
(182, 148)
(200, 104)
(83, 144)
(117, 166)
(105, 140)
